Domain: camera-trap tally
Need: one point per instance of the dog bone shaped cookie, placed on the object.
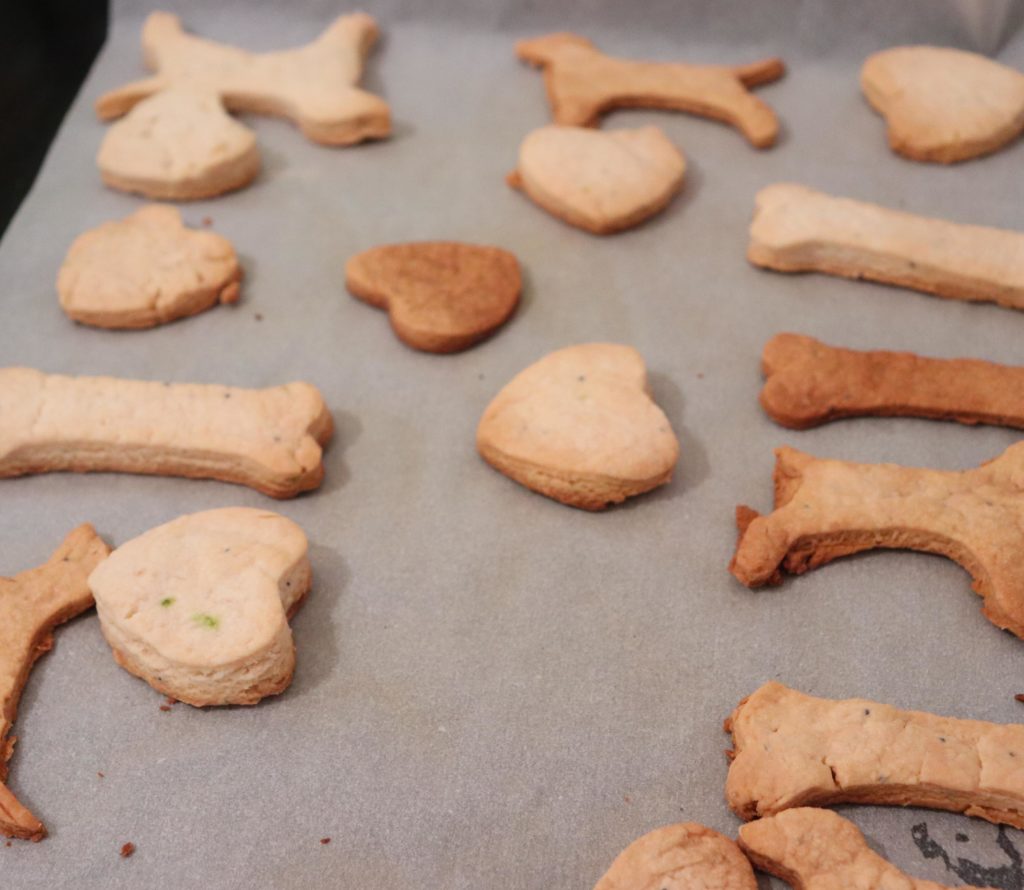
(944, 105)
(809, 383)
(32, 604)
(269, 439)
(583, 83)
(814, 849)
(825, 509)
(793, 750)
(199, 607)
(146, 270)
(579, 426)
(440, 296)
(178, 142)
(599, 181)
(797, 229)
(686, 856)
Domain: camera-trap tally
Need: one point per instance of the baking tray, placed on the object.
(494, 690)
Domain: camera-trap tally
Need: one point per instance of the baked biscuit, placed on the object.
(146, 270)
(199, 607)
(32, 604)
(269, 439)
(825, 509)
(797, 229)
(579, 426)
(794, 750)
(441, 296)
(944, 105)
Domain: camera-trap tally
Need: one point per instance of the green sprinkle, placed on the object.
(204, 620)
(167, 601)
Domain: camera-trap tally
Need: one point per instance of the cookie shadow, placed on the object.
(693, 467)
(313, 626)
(249, 276)
(347, 430)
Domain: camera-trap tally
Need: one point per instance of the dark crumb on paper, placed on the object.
(325, 841)
(258, 316)
(207, 221)
(961, 837)
(480, 376)
(700, 375)
(9, 844)
(171, 700)
(127, 850)
(627, 798)
(165, 708)
(1019, 696)
(101, 775)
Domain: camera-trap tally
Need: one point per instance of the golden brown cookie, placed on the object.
(599, 181)
(793, 750)
(583, 84)
(687, 856)
(269, 439)
(813, 849)
(944, 105)
(825, 509)
(441, 296)
(808, 383)
(797, 229)
(146, 270)
(580, 427)
(32, 604)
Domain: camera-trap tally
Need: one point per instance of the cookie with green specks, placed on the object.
(199, 607)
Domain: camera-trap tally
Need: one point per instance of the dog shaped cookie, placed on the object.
(177, 141)
(944, 105)
(199, 607)
(579, 426)
(583, 84)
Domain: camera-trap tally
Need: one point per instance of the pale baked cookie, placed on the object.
(687, 856)
(178, 142)
(944, 105)
(601, 181)
(199, 607)
(580, 427)
(797, 229)
(813, 849)
(180, 145)
(269, 439)
(825, 509)
(32, 604)
(441, 296)
(792, 750)
(583, 84)
(146, 270)
(809, 383)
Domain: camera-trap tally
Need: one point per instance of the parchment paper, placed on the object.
(494, 690)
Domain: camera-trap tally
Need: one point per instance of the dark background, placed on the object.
(46, 49)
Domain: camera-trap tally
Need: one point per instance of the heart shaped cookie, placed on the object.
(944, 105)
(179, 144)
(146, 270)
(199, 607)
(580, 427)
(601, 181)
(440, 296)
